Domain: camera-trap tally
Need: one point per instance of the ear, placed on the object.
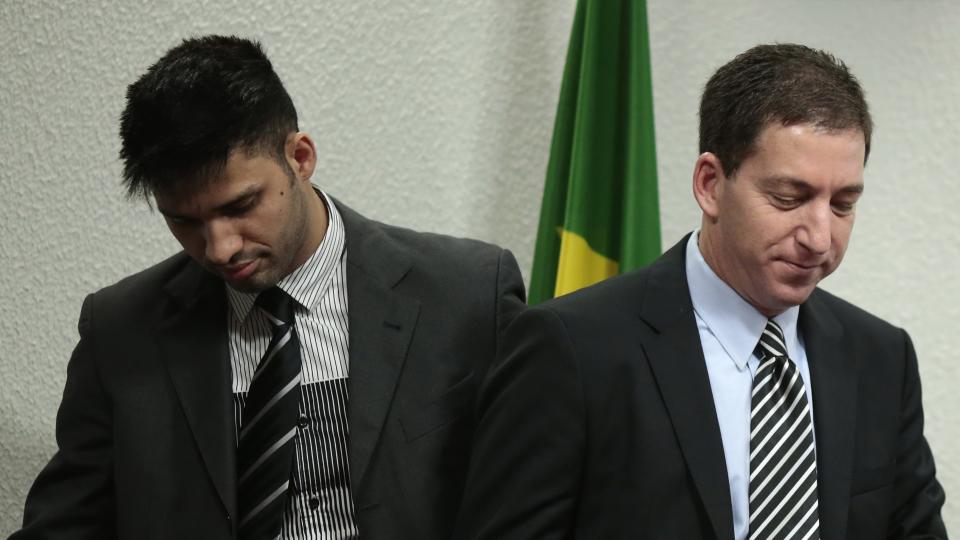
(301, 154)
(708, 184)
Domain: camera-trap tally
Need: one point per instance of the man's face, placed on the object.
(781, 223)
(251, 226)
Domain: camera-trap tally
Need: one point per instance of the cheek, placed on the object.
(191, 241)
(258, 228)
(778, 232)
(842, 228)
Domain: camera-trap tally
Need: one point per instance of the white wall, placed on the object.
(437, 115)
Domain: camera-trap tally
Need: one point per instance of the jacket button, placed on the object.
(314, 503)
(303, 422)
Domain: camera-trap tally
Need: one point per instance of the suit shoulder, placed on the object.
(621, 293)
(445, 259)
(858, 324)
(438, 251)
(849, 313)
(147, 282)
(609, 303)
(445, 271)
(440, 245)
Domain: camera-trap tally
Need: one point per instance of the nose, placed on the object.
(223, 241)
(814, 234)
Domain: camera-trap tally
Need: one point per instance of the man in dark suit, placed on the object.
(718, 393)
(358, 420)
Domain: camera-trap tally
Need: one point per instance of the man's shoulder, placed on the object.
(440, 252)
(149, 281)
(852, 318)
(436, 244)
(436, 268)
(661, 283)
(846, 311)
(608, 307)
(620, 290)
(451, 264)
(140, 301)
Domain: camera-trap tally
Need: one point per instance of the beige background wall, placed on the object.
(437, 115)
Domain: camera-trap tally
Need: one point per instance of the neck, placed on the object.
(708, 243)
(317, 219)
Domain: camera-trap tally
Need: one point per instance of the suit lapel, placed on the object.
(676, 358)
(193, 342)
(834, 383)
(382, 322)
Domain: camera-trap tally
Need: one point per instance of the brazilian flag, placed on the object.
(599, 215)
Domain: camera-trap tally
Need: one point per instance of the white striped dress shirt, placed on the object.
(320, 503)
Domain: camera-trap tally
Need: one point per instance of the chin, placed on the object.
(779, 297)
(254, 284)
(246, 287)
(794, 298)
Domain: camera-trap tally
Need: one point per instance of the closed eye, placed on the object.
(178, 221)
(843, 208)
(240, 207)
(237, 210)
(785, 202)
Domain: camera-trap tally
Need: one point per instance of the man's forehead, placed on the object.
(213, 178)
(779, 182)
(778, 129)
(182, 192)
(805, 156)
(209, 195)
(799, 139)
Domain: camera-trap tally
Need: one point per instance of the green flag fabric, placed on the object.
(600, 215)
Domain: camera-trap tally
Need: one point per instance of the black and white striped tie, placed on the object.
(268, 434)
(783, 461)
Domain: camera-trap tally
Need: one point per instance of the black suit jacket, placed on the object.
(599, 422)
(145, 430)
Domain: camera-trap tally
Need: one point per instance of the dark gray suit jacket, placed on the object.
(145, 430)
(599, 422)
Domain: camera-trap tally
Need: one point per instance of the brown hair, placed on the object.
(786, 83)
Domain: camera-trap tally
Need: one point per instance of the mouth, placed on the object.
(802, 269)
(237, 272)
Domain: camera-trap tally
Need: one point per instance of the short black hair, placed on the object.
(785, 83)
(203, 99)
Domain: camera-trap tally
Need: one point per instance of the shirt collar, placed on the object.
(732, 320)
(308, 283)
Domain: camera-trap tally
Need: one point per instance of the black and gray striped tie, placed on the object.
(783, 462)
(268, 435)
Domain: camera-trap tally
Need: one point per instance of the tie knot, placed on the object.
(277, 303)
(771, 342)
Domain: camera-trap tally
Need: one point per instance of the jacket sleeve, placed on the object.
(511, 298)
(525, 468)
(73, 497)
(918, 495)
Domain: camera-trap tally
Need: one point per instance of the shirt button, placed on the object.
(314, 503)
(303, 422)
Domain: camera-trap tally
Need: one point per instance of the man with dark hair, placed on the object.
(298, 371)
(718, 393)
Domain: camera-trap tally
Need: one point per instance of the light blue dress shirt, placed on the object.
(729, 330)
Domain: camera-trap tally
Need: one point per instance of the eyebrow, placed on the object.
(802, 185)
(236, 200)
